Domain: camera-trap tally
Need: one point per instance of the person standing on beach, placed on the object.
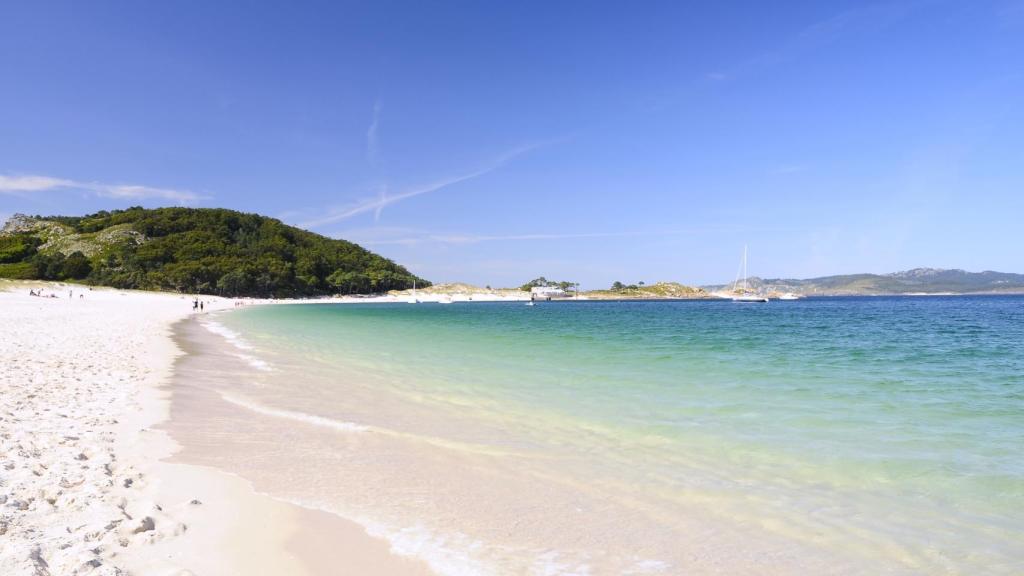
(200, 306)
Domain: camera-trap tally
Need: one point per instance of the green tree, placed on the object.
(233, 283)
(346, 281)
(535, 283)
(48, 266)
(189, 249)
(17, 247)
(617, 286)
(76, 266)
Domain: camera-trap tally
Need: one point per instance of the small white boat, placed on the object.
(744, 294)
(749, 298)
(789, 296)
(414, 300)
(531, 303)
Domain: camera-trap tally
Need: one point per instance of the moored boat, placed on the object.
(745, 294)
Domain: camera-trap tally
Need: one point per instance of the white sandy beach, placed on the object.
(85, 482)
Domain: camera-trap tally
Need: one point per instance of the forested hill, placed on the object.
(193, 250)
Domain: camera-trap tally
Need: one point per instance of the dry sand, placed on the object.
(85, 482)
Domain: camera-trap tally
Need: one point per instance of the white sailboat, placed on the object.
(744, 294)
(414, 300)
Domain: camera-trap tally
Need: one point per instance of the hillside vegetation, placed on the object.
(660, 290)
(461, 288)
(193, 250)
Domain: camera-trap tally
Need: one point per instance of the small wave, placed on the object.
(454, 554)
(255, 362)
(649, 567)
(228, 334)
(236, 340)
(339, 425)
(550, 563)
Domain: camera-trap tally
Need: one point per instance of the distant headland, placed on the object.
(219, 251)
(908, 282)
(193, 250)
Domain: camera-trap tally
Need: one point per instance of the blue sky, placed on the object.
(495, 142)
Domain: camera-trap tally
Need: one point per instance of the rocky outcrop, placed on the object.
(57, 237)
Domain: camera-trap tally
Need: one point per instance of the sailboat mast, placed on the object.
(744, 268)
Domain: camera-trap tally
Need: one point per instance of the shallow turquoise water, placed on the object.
(882, 431)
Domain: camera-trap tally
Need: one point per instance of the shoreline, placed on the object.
(287, 538)
(99, 475)
(522, 472)
(89, 482)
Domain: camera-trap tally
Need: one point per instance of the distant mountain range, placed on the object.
(916, 281)
(231, 253)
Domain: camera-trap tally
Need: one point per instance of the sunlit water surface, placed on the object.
(825, 436)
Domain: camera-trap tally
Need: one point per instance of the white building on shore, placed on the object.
(547, 292)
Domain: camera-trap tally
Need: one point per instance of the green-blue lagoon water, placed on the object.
(822, 436)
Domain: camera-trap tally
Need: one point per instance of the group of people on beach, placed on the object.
(197, 304)
(40, 294)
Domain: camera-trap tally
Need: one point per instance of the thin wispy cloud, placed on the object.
(477, 238)
(408, 237)
(32, 184)
(372, 138)
(382, 204)
(861, 20)
(474, 239)
(377, 203)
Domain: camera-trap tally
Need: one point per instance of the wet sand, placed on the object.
(90, 483)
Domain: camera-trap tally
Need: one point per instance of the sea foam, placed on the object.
(228, 334)
(453, 554)
(321, 421)
(255, 362)
(236, 340)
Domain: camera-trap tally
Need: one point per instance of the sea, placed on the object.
(855, 435)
